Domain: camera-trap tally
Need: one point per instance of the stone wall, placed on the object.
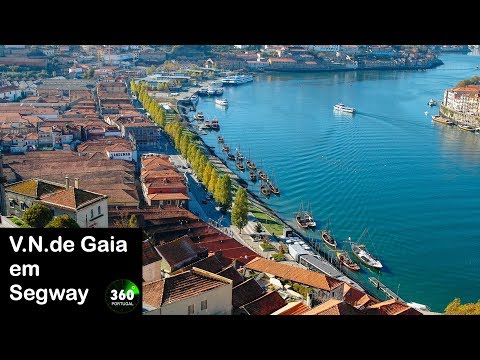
(460, 118)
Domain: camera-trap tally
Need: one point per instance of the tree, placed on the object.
(151, 70)
(133, 223)
(207, 172)
(456, 308)
(223, 192)
(37, 215)
(240, 209)
(258, 227)
(212, 182)
(63, 222)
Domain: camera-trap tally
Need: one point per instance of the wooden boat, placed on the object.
(230, 156)
(253, 176)
(262, 175)
(215, 125)
(206, 124)
(328, 238)
(239, 165)
(466, 127)
(302, 218)
(225, 148)
(441, 120)
(239, 154)
(273, 188)
(200, 117)
(251, 165)
(345, 260)
(264, 190)
(220, 139)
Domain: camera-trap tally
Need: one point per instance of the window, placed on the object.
(99, 210)
(191, 309)
(91, 213)
(12, 203)
(203, 305)
(23, 206)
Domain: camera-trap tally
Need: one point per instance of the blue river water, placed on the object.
(413, 184)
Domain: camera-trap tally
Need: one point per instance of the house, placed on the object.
(19, 143)
(162, 184)
(264, 305)
(292, 308)
(322, 287)
(10, 93)
(87, 208)
(391, 307)
(333, 307)
(179, 253)
(151, 269)
(245, 293)
(121, 152)
(194, 292)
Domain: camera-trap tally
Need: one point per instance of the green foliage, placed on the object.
(240, 209)
(457, 308)
(37, 215)
(266, 246)
(278, 257)
(207, 173)
(89, 74)
(62, 222)
(212, 182)
(475, 80)
(151, 70)
(303, 290)
(19, 222)
(223, 192)
(133, 223)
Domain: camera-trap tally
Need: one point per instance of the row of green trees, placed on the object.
(187, 143)
(151, 106)
(475, 80)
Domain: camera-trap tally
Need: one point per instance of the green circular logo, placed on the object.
(122, 296)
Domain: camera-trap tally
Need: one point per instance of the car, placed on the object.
(204, 201)
(208, 196)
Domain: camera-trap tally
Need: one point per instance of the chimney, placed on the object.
(67, 182)
(76, 183)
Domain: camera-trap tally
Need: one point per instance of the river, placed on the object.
(414, 184)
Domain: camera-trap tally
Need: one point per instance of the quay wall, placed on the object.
(460, 118)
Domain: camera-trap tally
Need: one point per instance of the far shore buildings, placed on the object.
(88, 209)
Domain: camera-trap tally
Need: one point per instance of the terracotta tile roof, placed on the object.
(229, 247)
(265, 305)
(36, 188)
(150, 255)
(391, 307)
(333, 307)
(232, 274)
(246, 292)
(357, 298)
(119, 147)
(295, 274)
(177, 253)
(210, 263)
(168, 196)
(282, 60)
(72, 198)
(180, 287)
(292, 308)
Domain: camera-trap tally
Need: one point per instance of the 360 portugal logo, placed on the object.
(122, 296)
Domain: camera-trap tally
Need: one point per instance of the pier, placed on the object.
(380, 286)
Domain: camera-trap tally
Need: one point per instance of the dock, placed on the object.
(380, 286)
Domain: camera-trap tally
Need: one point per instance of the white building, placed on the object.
(208, 294)
(465, 100)
(323, 48)
(10, 93)
(121, 152)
